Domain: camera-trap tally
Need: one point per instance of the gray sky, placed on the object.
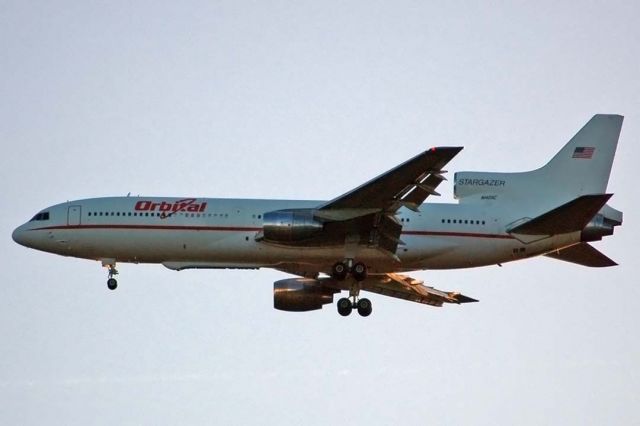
(307, 100)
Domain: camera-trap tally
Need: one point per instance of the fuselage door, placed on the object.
(73, 215)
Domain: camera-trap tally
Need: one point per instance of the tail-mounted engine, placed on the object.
(301, 294)
(600, 226)
(290, 226)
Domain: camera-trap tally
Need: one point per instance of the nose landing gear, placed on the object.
(112, 283)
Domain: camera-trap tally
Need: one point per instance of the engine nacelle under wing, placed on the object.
(300, 295)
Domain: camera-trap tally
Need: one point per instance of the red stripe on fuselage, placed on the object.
(155, 227)
(249, 229)
(457, 234)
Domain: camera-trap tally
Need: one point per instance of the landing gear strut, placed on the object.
(112, 283)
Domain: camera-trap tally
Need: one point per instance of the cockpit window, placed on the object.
(41, 216)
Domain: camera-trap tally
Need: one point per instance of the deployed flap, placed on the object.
(583, 254)
(408, 184)
(570, 217)
(407, 288)
(398, 286)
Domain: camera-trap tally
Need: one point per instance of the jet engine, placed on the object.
(288, 226)
(598, 227)
(300, 294)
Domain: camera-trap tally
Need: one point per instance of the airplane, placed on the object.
(366, 239)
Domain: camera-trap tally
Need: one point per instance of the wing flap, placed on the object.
(407, 288)
(400, 287)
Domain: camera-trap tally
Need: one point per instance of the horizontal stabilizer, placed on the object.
(570, 217)
(583, 254)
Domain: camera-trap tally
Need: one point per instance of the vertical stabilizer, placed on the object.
(583, 165)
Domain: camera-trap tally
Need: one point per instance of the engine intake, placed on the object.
(300, 295)
(287, 226)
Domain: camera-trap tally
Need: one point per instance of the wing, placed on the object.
(402, 287)
(408, 184)
(407, 288)
(366, 214)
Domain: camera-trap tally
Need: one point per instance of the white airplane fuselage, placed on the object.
(363, 239)
(221, 233)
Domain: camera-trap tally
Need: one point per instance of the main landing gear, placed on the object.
(358, 272)
(112, 283)
(340, 270)
(345, 306)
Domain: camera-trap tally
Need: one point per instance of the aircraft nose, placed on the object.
(18, 236)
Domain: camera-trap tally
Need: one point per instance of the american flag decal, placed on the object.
(585, 152)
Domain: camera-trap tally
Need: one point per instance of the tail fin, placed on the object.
(583, 165)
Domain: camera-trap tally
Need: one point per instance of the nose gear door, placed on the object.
(73, 215)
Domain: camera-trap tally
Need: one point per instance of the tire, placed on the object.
(112, 284)
(339, 271)
(344, 306)
(364, 307)
(359, 271)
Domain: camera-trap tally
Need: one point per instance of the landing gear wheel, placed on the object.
(359, 271)
(339, 271)
(344, 306)
(364, 307)
(112, 283)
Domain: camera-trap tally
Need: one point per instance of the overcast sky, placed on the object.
(308, 100)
